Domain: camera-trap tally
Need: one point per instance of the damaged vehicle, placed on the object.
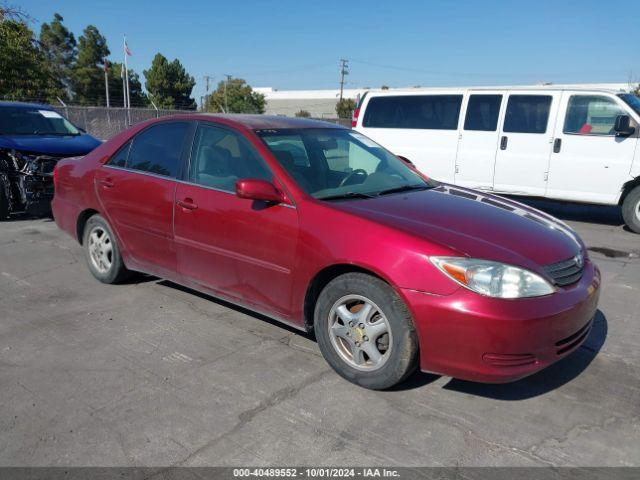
(32, 139)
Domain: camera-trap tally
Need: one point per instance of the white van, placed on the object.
(576, 145)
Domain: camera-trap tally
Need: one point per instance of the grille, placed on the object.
(566, 272)
(573, 340)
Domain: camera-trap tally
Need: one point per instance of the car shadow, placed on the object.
(233, 306)
(546, 380)
(577, 212)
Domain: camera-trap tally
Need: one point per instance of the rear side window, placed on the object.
(482, 113)
(436, 112)
(158, 149)
(120, 158)
(591, 115)
(527, 113)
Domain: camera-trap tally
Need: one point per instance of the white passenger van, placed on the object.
(576, 145)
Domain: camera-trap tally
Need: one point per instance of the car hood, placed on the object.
(55, 145)
(473, 224)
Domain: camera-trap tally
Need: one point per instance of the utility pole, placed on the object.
(226, 82)
(344, 70)
(207, 78)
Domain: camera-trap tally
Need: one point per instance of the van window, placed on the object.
(158, 149)
(591, 115)
(482, 113)
(527, 113)
(437, 112)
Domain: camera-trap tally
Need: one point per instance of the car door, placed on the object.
(478, 140)
(522, 159)
(241, 248)
(136, 188)
(422, 128)
(590, 162)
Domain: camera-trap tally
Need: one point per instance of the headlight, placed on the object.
(493, 279)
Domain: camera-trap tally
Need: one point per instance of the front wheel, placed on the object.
(631, 210)
(365, 332)
(102, 252)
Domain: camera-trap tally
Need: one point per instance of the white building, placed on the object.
(322, 103)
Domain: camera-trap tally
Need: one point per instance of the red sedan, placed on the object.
(319, 227)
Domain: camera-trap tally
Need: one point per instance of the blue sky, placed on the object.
(292, 44)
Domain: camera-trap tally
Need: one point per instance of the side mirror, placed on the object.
(256, 189)
(623, 127)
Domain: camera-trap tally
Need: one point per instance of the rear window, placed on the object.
(527, 113)
(434, 112)
(482, 113)
(158, 149)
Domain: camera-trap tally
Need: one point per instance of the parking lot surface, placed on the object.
(150, 373)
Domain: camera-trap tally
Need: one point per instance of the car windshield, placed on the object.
(34, 121)
(632, 100)
(331, 164)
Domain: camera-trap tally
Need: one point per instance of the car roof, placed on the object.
(256, 122)
(39, 106)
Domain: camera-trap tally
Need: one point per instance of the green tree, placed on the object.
(303, 114)
(24, 73)
(59, 47)
(88, 71)
(235, 96)
(345, 107)
(169, 85)
(138, 97)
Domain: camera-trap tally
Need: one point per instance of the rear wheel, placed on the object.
(365, 332)
(102, 252)
(631, 210)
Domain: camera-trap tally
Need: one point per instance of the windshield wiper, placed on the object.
(347, 195)
(403, 188)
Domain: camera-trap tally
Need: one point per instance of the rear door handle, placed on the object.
(187, 204)
(557, 145)
(107, 183)
(503, 142)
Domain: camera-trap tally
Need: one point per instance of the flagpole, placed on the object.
(106, 82)
(126, 77)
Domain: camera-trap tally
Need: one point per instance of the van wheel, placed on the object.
(631, 210)
(365, 331)
(102, 252)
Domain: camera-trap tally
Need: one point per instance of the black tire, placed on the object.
(116, 272)
(4, 203)
(631, 210)
(402, 354)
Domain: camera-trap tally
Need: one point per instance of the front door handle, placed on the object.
(107, 182)
(503, 142)
(187, 204)
(557, 145)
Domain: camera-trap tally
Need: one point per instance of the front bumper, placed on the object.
(472, 337)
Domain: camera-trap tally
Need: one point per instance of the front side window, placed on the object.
(527, 113)
(220, 157)
(482, 113)
(340, 163)
(34, 121)
(591, 115)
(436, 112)
(158, 149)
